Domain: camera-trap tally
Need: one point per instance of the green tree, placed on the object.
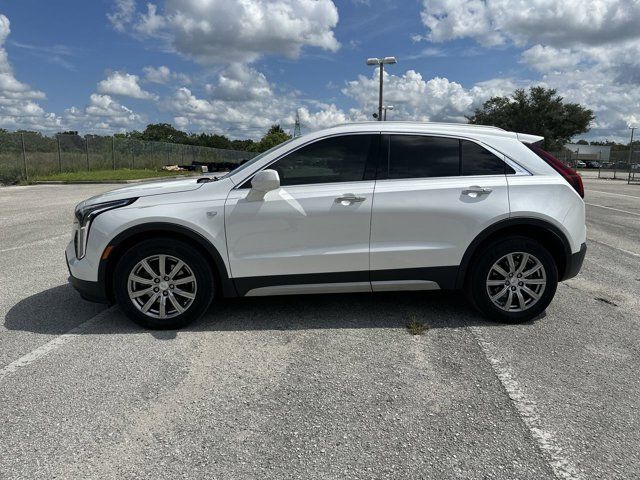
(540, 111)
(274, 136)
(163, 132)
(582, 142)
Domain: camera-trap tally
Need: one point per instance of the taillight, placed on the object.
(569, 174)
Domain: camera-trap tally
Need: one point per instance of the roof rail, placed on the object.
(471, 125)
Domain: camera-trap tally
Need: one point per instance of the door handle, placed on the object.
(476, 191)
(349, 198)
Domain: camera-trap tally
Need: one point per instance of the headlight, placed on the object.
(84, 215)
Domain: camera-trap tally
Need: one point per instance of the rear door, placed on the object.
(433, 196)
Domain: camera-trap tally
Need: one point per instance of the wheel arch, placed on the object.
(547, 234)
(126, 239)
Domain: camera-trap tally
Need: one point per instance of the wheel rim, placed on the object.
(516, 282)
(162, 286)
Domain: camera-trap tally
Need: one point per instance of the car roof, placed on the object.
(462, 129)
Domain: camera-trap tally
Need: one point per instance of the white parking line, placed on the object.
(616, 194)
(52, 345)
(37, 242)
(628, 252)
(611, 208)
(562, 467)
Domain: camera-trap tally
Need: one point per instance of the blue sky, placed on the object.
(236, 66)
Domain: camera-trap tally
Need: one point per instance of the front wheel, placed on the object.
(163, 284)
(513, 280)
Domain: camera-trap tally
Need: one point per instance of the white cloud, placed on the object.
(161, 74)
(18, 108)
(124, 84)
(239, 82)
(552, 22)
(414, 98)
(231, 31)
(123, 14)
(547, 59)
(103, 115)
(164, 75)
(242, 104)
(589, 50)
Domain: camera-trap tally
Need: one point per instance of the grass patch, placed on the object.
(416, 327)
(106, 175)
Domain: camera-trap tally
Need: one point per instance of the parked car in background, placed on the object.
(370, 207)
(581, 164)
(593, 165)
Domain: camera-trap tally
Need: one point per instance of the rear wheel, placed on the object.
(513, 280)
(163, 284)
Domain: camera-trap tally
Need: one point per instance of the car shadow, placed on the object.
(60, 309)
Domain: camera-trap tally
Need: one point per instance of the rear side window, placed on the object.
(335, 159)
(477, 160)
(417, 156)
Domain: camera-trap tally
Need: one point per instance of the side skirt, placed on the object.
(432, 278)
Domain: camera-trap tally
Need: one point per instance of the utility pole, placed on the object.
(297, 127)
(631, 145)
(381, 62)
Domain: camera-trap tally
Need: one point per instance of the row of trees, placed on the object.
(165, 132)
(158, 132)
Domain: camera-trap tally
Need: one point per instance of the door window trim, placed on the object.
(519, 169)
(371, 162)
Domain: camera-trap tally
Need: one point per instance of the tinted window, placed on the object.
(415, 156)
(336, 159)
(477, 160)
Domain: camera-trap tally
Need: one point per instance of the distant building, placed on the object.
(589, 152)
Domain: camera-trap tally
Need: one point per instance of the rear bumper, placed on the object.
(91, 291)
(574, 263)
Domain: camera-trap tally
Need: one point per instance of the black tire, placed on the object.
(477, 288)
(203, 288)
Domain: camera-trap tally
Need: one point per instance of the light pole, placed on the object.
(631, 145)
(388, 107)
(381, 62)
(384, 115)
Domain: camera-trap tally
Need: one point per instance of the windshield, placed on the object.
(255, 159)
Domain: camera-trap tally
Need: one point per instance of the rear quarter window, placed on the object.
(477, 160)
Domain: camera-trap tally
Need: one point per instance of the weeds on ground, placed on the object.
(416, 327)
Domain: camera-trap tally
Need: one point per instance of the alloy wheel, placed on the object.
(162, 286)
(516, 282)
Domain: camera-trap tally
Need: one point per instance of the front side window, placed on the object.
(336, 159)
(477, 160)
(417, 156)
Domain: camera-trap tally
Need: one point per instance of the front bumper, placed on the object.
(91, 291)
(574, 263)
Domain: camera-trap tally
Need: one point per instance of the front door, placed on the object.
(311, 234)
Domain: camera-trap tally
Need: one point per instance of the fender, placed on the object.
(504, 225)
(106, 266)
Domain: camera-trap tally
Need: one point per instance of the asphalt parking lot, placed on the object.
(330, 387)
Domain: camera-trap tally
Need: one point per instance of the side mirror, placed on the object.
(263, 182)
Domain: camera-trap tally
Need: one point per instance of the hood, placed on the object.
(147, 189)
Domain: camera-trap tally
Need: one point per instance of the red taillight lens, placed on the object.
(569, 174)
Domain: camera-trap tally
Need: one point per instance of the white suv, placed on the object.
(370, 207)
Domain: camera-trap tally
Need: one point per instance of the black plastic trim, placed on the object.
(90, 291)
(501, 225)
(228, 288)
(444, 276)
(574, 263)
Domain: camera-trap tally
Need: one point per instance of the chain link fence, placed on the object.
(29, 154)
(620, 165)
